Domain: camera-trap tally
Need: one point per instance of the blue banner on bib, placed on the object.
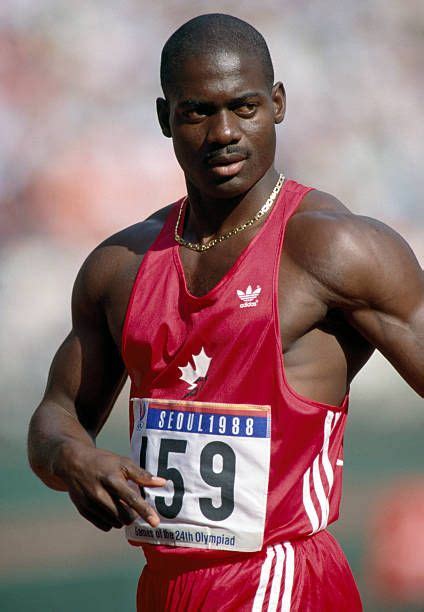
(205, 423)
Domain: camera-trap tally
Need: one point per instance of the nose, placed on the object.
(223, 128)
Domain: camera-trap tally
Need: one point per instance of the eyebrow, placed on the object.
(246, 96)
(233, 101)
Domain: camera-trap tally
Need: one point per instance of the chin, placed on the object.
(224, 187)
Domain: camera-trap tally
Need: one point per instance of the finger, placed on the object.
(98, 504)
(95, 519)
(126, 514)
(112, 507)
(133, 500)
(141, 477)
(140, 506)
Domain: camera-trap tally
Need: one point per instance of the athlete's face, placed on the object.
(221, 115)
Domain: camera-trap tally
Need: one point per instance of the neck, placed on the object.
(208, 217)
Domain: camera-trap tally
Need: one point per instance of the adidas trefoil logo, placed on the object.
(250, 298)
(192, 375)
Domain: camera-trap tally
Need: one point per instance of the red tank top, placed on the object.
(226, 347)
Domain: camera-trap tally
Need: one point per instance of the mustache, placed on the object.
(228, 150)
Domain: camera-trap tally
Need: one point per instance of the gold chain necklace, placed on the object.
(198, 246)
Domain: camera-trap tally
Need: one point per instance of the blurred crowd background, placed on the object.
(81, 155)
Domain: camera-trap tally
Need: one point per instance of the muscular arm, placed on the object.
(86, 376)
(387, 285)
(369, 272)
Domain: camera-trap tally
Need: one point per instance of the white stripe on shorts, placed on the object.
(284, 562)
(263, 580)
(288, 578)
(276, 580)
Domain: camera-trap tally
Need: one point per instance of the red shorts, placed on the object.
(307, 575)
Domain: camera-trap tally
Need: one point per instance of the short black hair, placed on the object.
(209, 34)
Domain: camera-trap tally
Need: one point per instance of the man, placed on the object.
(243, 312)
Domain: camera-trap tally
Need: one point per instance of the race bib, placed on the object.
(215, 458)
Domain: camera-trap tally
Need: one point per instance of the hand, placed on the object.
(98, 484)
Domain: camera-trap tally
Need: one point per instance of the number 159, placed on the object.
(224, 479)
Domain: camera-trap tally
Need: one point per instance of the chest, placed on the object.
(298, 306)
(203, 271)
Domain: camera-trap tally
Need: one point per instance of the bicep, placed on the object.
(388, 306)
(87, 371)
(86, 376)
(398, 336)
(365, 269)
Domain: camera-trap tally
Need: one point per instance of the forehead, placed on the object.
(219, 74)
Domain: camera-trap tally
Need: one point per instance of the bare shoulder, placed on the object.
(355, 258)
(116, 259)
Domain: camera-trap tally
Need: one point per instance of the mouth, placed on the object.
(226, 165)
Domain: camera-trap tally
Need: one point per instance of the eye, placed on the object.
(192, 115)
(247, 109)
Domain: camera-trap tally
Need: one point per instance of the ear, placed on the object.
(278, 95)
(162, 109)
